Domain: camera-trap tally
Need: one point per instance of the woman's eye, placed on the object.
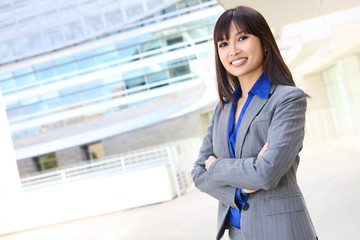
(243, 38)
(223, 44)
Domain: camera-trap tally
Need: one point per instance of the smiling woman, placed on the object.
(249, 158)
(241, 54)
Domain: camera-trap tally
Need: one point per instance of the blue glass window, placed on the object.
(128, 52)
(7, 84)
(49, 95)
(151, 46)
(4, 76)
(53, 103)
(70, 99)
(84, 54)
(86, 63)
(156, 77)
(156, 67)
(13, 113)
(22, 71)
(63, 60)
(25, 79)
(64, 69)
(29, 100)
(44, 74)
(107, 57)
(114, 88)
(92, 84)
(14, 104)
(106, 49)
(70, 90)
(33, 108)
(33, 130)
(134, 73)
(93, 93)
(126, 43)
(135, 82)
(43, 65)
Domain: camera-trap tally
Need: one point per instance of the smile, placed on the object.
(238, 61)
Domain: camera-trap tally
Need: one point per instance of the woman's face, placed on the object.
(242, 54)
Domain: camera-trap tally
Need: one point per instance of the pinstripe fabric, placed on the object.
(277, 210)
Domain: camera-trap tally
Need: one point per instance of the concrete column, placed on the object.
(9, 174)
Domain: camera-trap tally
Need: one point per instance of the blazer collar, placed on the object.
(252, 111)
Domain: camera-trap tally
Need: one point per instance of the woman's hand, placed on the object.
(208, 162)
(266, 146)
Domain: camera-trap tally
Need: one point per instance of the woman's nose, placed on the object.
(234, 49)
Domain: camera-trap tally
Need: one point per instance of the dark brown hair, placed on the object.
(251, 22)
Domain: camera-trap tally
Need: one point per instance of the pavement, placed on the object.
(328, 175)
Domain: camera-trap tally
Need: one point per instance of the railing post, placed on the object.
(63, 176)
(123, 164)
(172, 165)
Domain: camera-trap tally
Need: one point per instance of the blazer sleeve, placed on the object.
(225, 194)
(285, 135)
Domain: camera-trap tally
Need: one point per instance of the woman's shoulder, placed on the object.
(285, 91)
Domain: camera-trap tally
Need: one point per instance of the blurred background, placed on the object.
(104, 104)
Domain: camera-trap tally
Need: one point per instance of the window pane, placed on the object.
(149, 46)
(134, 73)
(107, 57)
(84, 54)
(114, 88)
(156, 77)
(128, 52)
(43, 65)
(106, 49)
(49, 95)
(70, 90)
(86, 63)
(135, 82)
(49, 104)
(4, 76)
(13, 113)
(92, 84)
(7, 84)
(63, 69)
(31, 109)
(22, 71)
(44, 74)
(70, 99)
(90, 94)
(26, 79)
(61, 61)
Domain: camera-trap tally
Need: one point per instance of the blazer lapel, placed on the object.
(252, 111)
(224, 125)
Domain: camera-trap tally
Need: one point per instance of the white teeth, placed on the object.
(238, 61)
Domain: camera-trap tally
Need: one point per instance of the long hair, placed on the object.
(251, 22)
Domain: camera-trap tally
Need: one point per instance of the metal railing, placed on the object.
(333, 123)
(179, 156)
(120, 163)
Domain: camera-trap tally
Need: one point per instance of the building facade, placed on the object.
(78, 75)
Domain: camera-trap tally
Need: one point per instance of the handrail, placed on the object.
(120, 162)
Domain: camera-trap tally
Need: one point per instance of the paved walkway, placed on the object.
(329, 174)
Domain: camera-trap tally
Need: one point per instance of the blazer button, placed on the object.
(245, 207)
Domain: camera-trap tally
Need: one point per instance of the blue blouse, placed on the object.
(261, 89)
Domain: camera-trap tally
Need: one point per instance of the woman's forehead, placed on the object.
(231, 26)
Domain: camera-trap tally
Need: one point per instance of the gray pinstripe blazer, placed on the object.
(277, 210)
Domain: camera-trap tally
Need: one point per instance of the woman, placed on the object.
(249, 157)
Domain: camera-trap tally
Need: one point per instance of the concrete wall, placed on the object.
(70, 156)
(26, 166)
(191, 125)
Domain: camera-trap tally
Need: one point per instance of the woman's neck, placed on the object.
(246, 84)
